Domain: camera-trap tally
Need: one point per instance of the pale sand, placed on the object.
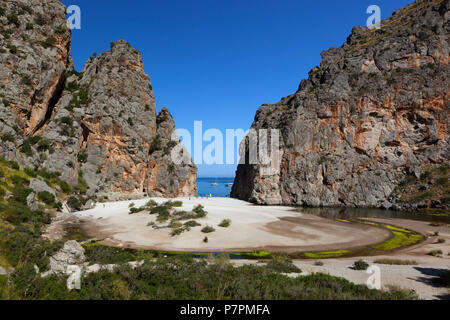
(421, 277)
(280, 229)
(252, 228)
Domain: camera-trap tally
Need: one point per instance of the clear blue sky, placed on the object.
(218, 60)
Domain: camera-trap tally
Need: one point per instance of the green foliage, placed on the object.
(192, 224)
(130, 122)
(43, 145)
(72, 86)
(184, 278)
(13, 19)
(7, 137)
(82, 185)
(40, 20)
(82, 158)
(67, 120)
(30, 172)
(225, 223)
(19, 181)
(26, 148)
(200, 212)
(49, 42)
(156, 144)
(283, 265)
(46, 197)
(74, 203)
(360, 265)
(435, 253)
(65, 187)
(79, 99)
(208, 229)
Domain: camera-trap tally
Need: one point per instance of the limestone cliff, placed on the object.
(96, 129)
(370, 121)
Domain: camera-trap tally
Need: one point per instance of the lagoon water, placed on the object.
(221, 190)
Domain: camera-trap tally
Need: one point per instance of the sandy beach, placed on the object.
(252, 228)
(280, 229)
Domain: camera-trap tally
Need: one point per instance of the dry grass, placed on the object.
(397, 262)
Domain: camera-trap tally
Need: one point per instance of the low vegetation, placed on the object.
(435, 253)
(282, 265)
(185, 278)
(225, 223)
(360, 265)
(208, 229)
(396, 262)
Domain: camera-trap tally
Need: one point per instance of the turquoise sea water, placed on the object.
(221, 190)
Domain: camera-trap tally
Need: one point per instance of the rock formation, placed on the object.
(97, 129)
(371, 119)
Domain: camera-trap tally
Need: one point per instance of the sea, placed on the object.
(206, 189)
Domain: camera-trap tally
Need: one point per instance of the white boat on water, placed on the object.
(214, 184)
(229, 185)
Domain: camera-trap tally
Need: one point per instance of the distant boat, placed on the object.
(214, 184)
(229, 185)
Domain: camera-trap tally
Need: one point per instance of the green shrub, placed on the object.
(20, 181)
(43, 145)
(46, 197)
(192, 224)
(208, 229)
(177, 231)
(318, 263)
(74, 203)
(82, 185)
(67, 120)
(8, 137)
(13, 19)
(151, 204)
(65, 187)
(2, 174)
(360, 265)
(40, 20)
(26, 148)
(199, 211)
(30, 172)
(283, 266)
(156, 144)
(82, 158)
(49, 42)
(435, 253)
(225, 223)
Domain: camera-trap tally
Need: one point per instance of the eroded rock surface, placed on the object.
(372, 115)
(98, 129)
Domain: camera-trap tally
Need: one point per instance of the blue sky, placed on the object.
(217, 61)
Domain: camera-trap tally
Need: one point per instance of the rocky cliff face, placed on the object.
(97, 129)
(371, 120)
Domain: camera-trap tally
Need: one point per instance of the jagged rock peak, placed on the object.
(370, 120)
(96, 129)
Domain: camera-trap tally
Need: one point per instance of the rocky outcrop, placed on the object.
(97, 129)
(374, 110)
(72, 254)
(34, 57)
